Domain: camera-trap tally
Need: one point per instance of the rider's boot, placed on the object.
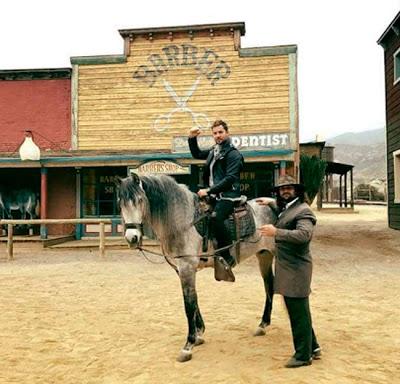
(223, 264)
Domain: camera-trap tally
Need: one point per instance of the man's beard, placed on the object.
(288, 199)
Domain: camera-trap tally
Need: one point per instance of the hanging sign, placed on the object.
(161, 167)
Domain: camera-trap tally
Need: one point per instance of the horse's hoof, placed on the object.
(184, 356)
(259, 332)
(199, 341)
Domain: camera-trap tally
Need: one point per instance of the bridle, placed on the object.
(138, 226)
(134, 226)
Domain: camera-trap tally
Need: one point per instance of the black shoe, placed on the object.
(294, 363)
(316, 353)
(231, 261)
(222, 270)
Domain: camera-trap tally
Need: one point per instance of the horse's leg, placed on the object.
(22, 209)
(200, 328)
(30, 212)
(187, 275)
(265, 263)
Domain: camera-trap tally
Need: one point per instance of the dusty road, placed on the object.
(67, 317)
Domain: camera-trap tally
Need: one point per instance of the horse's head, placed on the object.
(133, 205)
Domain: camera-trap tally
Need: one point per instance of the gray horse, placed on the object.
(23, 200)
(168, 208)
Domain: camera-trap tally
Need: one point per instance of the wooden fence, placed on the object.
(10, 229)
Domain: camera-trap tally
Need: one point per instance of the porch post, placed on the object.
(276, 172)
(282, 168)
(78, 227)
(351, 189)
(321, 193)
(43, 201)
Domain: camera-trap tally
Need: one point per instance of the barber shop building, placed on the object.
(131, 112)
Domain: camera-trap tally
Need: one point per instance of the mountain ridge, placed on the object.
(365, 150)
(370, 137)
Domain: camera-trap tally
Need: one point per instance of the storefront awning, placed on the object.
(126, 159)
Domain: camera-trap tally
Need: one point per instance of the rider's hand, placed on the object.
(267, 230)
(203, 192)
(265, 200)
(194, 132)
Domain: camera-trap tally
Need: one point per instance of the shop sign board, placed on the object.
(161, 167)
(250, 142)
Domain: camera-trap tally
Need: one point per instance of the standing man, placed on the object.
(293, 265)
(222, 176)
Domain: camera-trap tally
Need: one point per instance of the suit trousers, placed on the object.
(304, 339)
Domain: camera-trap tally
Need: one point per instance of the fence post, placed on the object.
(10, 254)
(102, 239)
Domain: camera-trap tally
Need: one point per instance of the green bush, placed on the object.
(312, 172)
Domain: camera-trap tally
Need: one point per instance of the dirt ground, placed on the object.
(68, 317)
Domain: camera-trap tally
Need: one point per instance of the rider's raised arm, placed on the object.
(196, 152)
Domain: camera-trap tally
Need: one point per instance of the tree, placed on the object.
(312, 172)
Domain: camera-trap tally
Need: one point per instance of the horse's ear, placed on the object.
(135, 178)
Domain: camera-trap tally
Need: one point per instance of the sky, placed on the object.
(340, 65)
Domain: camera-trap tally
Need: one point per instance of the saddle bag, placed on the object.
(241, 222)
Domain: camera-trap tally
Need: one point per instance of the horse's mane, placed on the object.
(167, 205)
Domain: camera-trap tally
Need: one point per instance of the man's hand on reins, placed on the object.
(265, 200)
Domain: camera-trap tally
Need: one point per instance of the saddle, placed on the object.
(239, 224)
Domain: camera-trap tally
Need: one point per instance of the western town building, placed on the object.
(132, 112)
(39, 101)
(390, 42)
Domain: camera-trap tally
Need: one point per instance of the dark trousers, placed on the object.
(304, 338)
(222, 209)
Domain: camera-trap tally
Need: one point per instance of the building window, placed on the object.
(99, 192)
(396, 176)
(396, 66)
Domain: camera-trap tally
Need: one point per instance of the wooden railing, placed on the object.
(10, 229)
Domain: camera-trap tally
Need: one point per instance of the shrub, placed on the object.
(312, 172)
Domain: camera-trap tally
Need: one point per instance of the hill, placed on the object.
(365, 150)
(372, 137)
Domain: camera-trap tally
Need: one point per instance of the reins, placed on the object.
(201, 255)
(167, 258)
(214, 254)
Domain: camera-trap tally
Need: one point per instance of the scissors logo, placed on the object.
(200, 120)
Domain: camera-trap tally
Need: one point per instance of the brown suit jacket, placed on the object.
(293, 264)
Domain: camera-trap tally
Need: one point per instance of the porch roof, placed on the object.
(82, 159)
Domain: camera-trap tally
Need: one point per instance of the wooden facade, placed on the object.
(132, 101)
(390, 41)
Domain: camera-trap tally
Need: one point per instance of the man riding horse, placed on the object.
(222, 178)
